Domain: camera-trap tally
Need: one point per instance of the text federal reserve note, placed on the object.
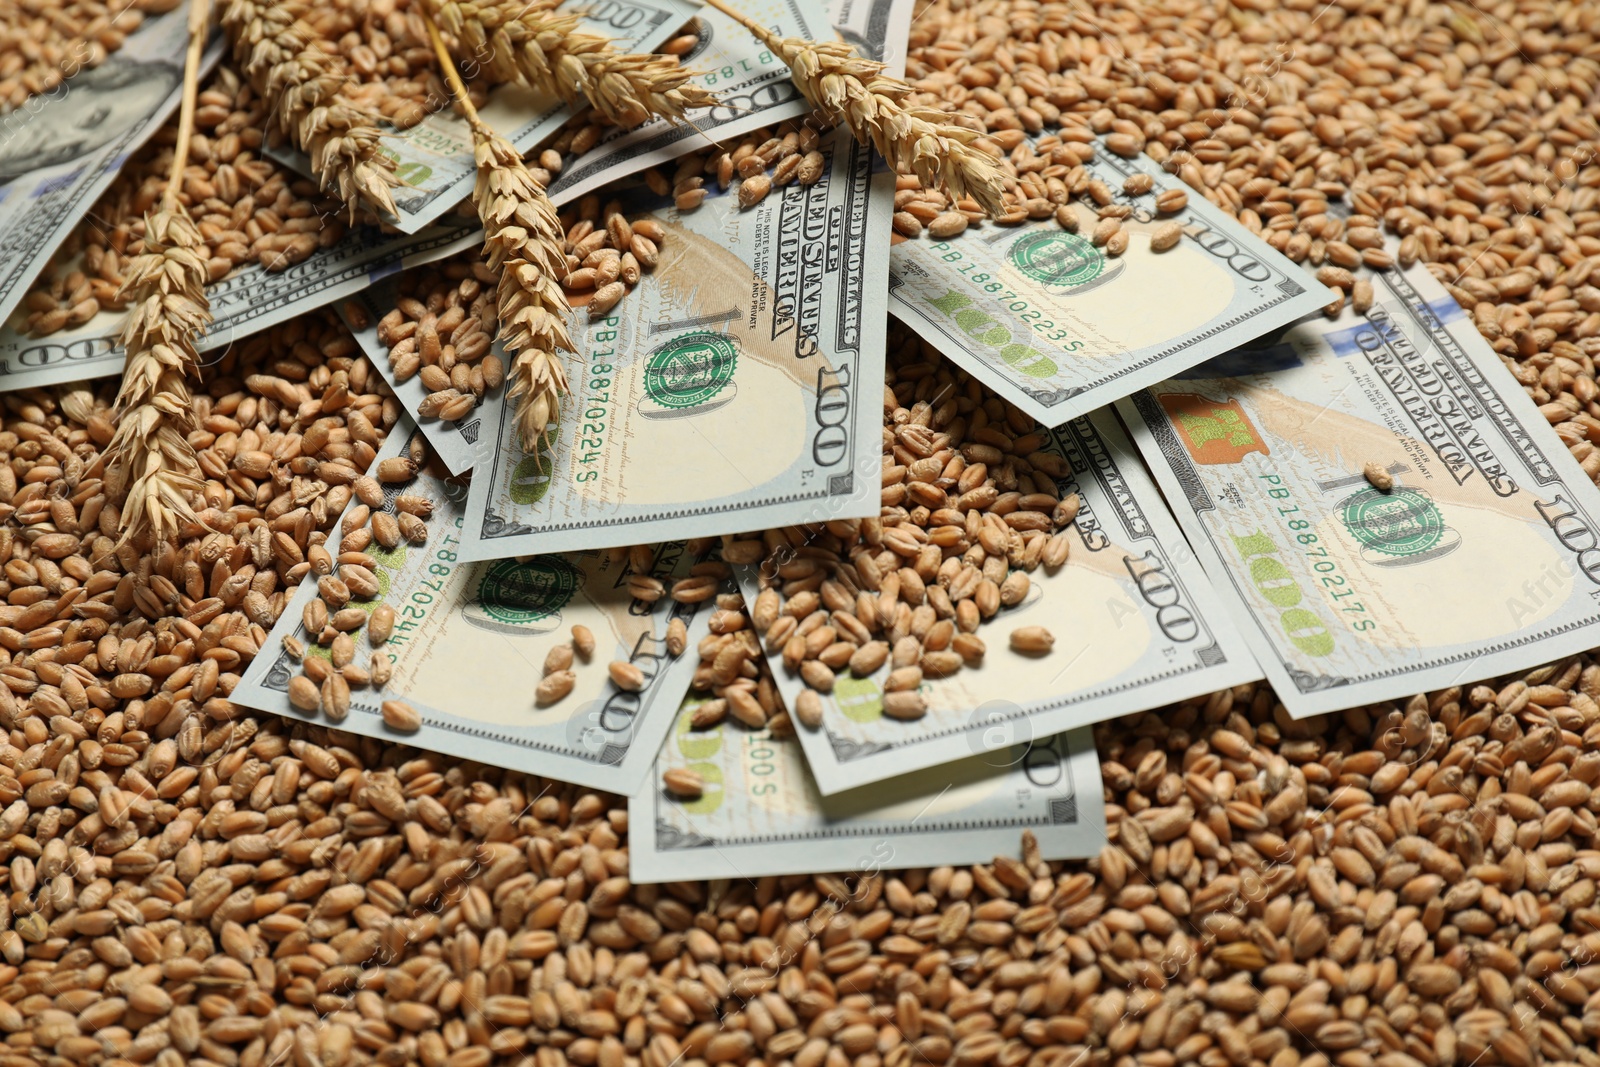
(249, 300)
(761, 814)
(63, 147)
(752, 85)
(738, 385)
(434, 158)
(1136, 626)
(469, 647)
(1481, 558)
(1050, 322)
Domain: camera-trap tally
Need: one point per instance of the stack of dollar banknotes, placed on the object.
(1354, 508)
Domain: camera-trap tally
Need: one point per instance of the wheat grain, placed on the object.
(44, 45)
(176, 858)
(441, 329)
(1031, 639)
(303, 81)
(683, 782)
(522, 241)
(151, 465)
(909, 587)
(398, 715)
(849, 89)
(545, 49)
(1171, 201)
(626, 676)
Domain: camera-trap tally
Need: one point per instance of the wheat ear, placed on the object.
(302, 81)
(151, 463)
(849, 89)
(512, 40)
(522, 240)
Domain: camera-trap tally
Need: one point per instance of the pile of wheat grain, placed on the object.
(1406, 885)
(42, 45)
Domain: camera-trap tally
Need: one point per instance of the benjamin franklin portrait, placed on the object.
(81, 115)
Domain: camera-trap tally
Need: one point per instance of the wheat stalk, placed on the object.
(302, 81)
(150, 464)
(849, 89)
(522, 240)
(545, 49)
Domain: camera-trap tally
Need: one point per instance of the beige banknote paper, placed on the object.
(469, 648)
(762, 814)
(1135, 622)
(738, 384)
(1482, 556)
(1049, 321)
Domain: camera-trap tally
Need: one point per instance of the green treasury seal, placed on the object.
(1057, 258)
(690, 369)
(526, 593)
(1403, 522)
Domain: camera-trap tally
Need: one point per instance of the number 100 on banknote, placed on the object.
(1382, 505)
(1050, 320)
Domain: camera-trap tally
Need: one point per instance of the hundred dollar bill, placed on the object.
(1136, 625)
(247, 301)
(739, 384)
(470, 642)
(762, 814)
(435, 157)
(456, 443)
(1057, 327)
(877, 29)
(1480, 559)
(62, 148)
(752, 85)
